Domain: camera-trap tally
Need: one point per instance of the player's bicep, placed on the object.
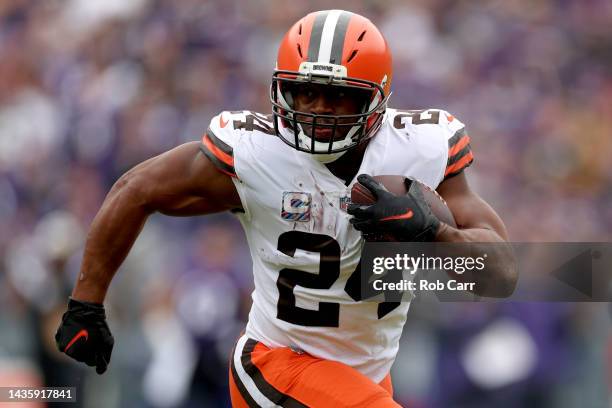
(181, 182)
(468, 208)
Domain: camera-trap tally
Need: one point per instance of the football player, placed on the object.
(310, 340)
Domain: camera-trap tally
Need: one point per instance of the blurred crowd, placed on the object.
(89, 89)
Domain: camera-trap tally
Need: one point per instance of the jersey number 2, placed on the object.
(329, 270)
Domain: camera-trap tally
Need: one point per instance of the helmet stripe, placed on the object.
(315, 36)
(327, 37)
(339, 36)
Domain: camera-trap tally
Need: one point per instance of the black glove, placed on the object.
(84, 334)
(394, 218)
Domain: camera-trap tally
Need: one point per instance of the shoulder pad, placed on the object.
(219, 141)
(431, 119)
(441, 126)
(225, 132)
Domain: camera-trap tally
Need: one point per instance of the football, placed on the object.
(398, 185)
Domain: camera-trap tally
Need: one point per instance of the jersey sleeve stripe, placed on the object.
(219, 154)
(457, 147)
(220, 144)
(459, 155)
(461, 164)
(456, 137)
(264, 386)
(208, 149)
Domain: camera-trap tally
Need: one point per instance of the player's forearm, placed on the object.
(446, 233)
(499, 277)
(110, 238)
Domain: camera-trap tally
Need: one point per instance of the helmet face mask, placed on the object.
(343, 131)
(356, 65)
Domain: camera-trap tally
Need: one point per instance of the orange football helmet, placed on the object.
(335, 48)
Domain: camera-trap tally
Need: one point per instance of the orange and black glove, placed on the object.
(84, 335)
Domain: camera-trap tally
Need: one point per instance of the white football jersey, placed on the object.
(303, 247)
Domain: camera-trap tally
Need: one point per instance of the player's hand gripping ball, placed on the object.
(395, 208)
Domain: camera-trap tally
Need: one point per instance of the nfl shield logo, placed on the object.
(296, 206)
(344, 202)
